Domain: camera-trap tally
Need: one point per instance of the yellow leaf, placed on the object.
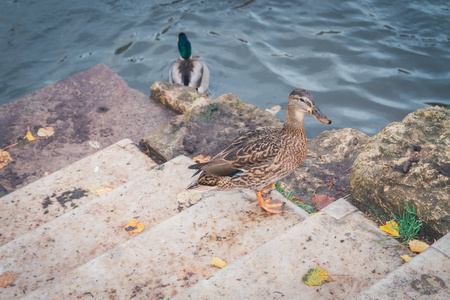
(5, 158)
(46, 131)
(391, 227)
(217, 262)
(418, 246)
(406, 258)
(316, 276)
(99, 188)
(29, 136)
(6, 279)
(134, 226)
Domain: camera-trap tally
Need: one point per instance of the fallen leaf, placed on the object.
(217, 262)
(429, 284)
(46, 131)
(134, 226)
(6, 279)
(5, 158)
(200, 159)
(418, 246)
(391, 227)
(406, 258)
(94, 144)
(29, 136)
(316, 276)
(322, 201)
(99, 188)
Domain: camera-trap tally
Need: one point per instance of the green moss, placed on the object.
(207, 112)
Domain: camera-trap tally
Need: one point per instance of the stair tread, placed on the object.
(94, 228)
(172, 256)
(351, 249)
(399, 284)
(50, 197)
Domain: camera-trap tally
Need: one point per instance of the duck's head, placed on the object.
(184, 46)
(300, 103)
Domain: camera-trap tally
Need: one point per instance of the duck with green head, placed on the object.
(261, 157)
(188, 69)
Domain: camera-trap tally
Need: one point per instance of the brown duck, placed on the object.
(259, 158)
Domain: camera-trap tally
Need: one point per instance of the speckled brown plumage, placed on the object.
(265, 155)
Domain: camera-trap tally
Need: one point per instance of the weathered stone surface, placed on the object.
(408, 162)
(177, 97)
(327, 165)
(94, 105)
(209, 129)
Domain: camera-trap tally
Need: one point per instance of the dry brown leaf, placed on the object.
(200, 159)
(46, 131)
(418, 246)
(322, 201)
(6, 279)
(5, 158)
(217, 262)
(134, 226)
(29, 136)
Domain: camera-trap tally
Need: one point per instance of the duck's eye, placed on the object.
(302, 100)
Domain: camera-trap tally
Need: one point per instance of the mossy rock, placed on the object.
(408, 162)
(207, 129)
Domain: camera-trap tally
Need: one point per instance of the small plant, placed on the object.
(308, 208)
(408, 223)
(281, 187)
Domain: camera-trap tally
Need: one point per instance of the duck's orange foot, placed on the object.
(266, 206)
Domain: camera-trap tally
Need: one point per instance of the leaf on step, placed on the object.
(200, 159)
(6, 279)
(316, 276)
(391, 227)
(99, 188)
(46, 131)
(29, 136)
(406, 258)
(94, 144)
(217, 262)
(418, 246)
(134, 226)
(5, 158)
(429, 284)
(322, 201)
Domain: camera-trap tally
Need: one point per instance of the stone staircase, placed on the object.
(63, 237)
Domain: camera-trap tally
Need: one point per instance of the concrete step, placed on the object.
(82, 234)
(407, 281)
(338, 239)
(32, 206)
(174, 255)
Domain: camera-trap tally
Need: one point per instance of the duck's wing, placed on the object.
(204, 83)
(199, 75)
(249, 150)
(174, 74)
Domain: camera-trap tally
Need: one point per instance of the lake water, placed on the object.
(368, 63)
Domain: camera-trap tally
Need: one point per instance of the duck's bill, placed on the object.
(316, 113)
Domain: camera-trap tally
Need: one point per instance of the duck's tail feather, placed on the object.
(198, 167)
